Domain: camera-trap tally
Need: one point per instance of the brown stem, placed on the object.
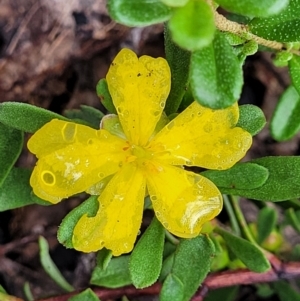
(278, 271)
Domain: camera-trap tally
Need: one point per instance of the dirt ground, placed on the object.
(52, 53)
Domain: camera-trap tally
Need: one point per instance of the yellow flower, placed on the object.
(134, 155)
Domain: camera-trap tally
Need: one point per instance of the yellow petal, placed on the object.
(118, 220)
(66, 168)
(202, 137)
(183, 201)
(139, 89)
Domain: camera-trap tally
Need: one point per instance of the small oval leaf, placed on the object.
(254, 8)
(65, 230)
(11, 143)
(16, 192)
(179, 62)
(247, 252)
(282, 27)
(216, 74)
(105, 97)
(146, 259)
(25, 117)
(285, 121)
(266, 222)
(282, 184)
(294, 68)
(138, 13)
(88, 115)
(172, 289)
(115, 275)
(240, 176)
(191, 272)
(192, 26)
(252, 119)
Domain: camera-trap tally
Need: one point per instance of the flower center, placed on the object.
(140, 153)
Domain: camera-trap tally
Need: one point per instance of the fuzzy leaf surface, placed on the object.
(192, 25)
(216, 74)
(247, 252)
(146, 258)
(25, 117)
(254, 8)
(138, 12)
(285, 121)
(282, 27)
(282, 184)
(240, 176)
(191, 272)
(11, 143)
(179, 62)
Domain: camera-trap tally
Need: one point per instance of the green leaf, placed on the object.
(138, 12)
(294, 68)
(27, 292)
(105, 97)
(285, 121)
(16, 192)
(282, 58)
(89, 115)
(103, 258)
(252, 119)
(254, 8)
(293, 218)
(172, 289)
(25, 117)
(199, 252)
(166, 267)
(224, 294)
(115, 275)
(11, 143)
(86, 295)
(146, 259)
(240, 176)
(192, 26)
(266, 222)
(65, 231)
(285, 291)
(248, 253)
(175, 2)
(283, 27)
(216, 74)
(179, 61)
(50, 267)
(282, 184)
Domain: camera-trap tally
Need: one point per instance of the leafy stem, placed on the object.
(223, 24)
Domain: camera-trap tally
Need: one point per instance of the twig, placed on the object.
(214, 281)
(16, 244)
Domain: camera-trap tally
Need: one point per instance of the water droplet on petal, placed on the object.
(162, 104)
(48, 178)
(101, 175)
(166, 225)
(157, 213)
(153, 198)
